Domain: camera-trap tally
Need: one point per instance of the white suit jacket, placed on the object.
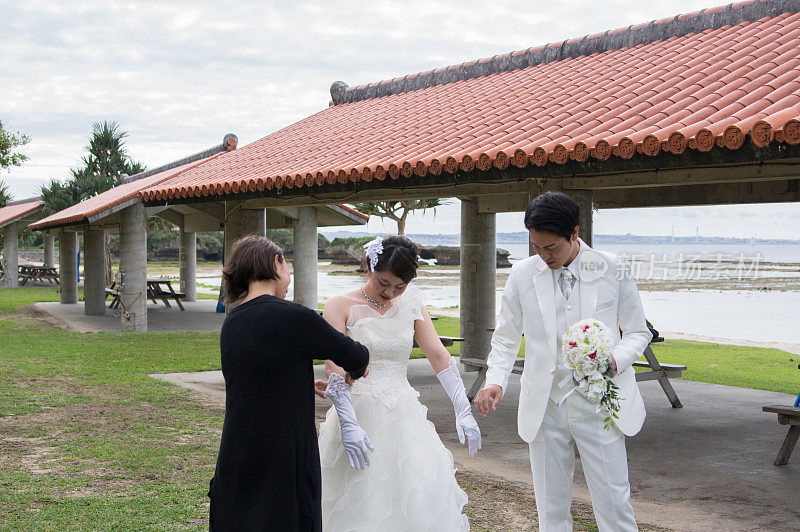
(529, 306)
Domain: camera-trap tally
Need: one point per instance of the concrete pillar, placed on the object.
(240, 222)
(133, 263)
(305, 257)
(94, 272)
(478, 279)
(11, 255)
(68, 267)
(49, 250)
(187, 257)
(585, 199)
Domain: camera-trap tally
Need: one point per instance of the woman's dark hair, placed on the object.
(251, 259)
(399, 257)
(553, 211)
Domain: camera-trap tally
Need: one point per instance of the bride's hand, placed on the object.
(466, 426)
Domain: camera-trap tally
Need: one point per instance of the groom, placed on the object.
(565, 282)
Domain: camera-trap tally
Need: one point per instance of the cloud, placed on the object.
(178, 75)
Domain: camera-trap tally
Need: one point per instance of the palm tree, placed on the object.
(398, 210)
(5, 197)
(57, 196)
(106, 161)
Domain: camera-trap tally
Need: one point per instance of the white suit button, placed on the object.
(552, 370)
(569, 307)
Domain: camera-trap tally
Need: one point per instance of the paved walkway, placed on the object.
(200, 316)
(707, 466)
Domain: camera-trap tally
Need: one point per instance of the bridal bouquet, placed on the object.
(587, 349)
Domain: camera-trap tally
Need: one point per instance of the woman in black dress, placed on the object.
(268, 473)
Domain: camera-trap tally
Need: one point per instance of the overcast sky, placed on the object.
(178, 75)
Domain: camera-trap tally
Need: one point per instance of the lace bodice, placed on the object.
(389, 338)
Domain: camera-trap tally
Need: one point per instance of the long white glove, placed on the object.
(465, 422)
(355, 440)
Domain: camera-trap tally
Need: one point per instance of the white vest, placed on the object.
(568, 312)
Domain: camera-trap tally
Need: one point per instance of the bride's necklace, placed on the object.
(372, 301)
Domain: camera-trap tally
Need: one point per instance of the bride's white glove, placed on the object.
(465, 422)
(355, 440)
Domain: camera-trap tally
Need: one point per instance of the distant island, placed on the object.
(521, 237)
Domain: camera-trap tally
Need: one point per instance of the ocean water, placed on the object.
(757, 315)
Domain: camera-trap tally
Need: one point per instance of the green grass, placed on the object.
(731, 365)
(89, 439)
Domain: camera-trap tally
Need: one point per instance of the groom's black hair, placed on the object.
(553, 211)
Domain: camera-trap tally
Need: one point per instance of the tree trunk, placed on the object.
(401, 226)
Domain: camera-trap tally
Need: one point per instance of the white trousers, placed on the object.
(604, 460)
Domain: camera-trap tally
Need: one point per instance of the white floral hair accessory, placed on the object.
(374, 249)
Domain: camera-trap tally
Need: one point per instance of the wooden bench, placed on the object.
(661, 372)
(787, 415)
(114, 296)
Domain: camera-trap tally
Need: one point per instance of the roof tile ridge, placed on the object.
(177, 174)
(229, 143)
(626, 37)
(23, 201)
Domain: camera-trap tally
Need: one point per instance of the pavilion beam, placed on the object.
(133, 264)
(11, 254)
(585, 199)
(468, 189)
(213, 209)
(49, 249)
(94, 274)
(187, 258)
(478, 279)
(727, 194)
(686, 176)
(305, 257)
(68, 267)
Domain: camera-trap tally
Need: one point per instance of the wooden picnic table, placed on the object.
(787, 415)
(162, 289)
(156, 289)
(661, 372)
(37, 273)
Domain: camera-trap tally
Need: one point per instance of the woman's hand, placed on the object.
(319, 388)
(350, 380)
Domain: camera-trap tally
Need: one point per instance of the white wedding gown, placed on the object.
(410, 484)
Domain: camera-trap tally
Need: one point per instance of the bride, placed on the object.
(384, 468)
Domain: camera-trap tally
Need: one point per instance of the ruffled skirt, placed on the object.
(410, 484)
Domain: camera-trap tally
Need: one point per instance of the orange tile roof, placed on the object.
(692, 82)
(81, 212)
(14, 212)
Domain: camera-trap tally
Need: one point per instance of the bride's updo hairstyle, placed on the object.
(399, 257)
(251, 259)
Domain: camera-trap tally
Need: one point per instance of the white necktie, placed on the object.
(566, 283)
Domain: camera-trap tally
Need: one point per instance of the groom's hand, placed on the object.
(493, 392)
